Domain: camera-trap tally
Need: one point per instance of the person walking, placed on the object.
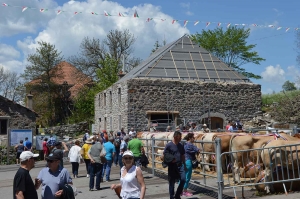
(117, 143)
(27, 144)
(176, 167)
(190, 155)
(136, 146)
(53, 178)
(110, 153)
(123, 148)
(132, 181)
(84, 152)
(23, 186)
(45, 148)
(75, 158)
(60, 151)
(19, 148)
(96, 167)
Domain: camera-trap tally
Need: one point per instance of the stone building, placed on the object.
(179, 83)
(15, 116)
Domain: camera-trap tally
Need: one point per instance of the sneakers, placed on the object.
(87, 175)
(186, 194)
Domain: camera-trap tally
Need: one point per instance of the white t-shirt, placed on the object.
(74, 154)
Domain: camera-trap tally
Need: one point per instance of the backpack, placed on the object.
(117, 142)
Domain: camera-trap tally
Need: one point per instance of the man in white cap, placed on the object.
(205, 129)
(23, 186)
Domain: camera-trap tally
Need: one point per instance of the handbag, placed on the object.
(195, 163)
(102, 156)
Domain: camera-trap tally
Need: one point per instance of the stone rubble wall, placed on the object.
(191, 98)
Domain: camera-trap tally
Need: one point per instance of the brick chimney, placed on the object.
(29, 103)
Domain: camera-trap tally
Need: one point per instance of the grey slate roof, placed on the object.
(184, 60)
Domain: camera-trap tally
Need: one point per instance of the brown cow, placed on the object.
(247, 142)
(281, 153)
(283, 174)
(251, 170)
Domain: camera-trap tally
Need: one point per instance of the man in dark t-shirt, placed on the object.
(60, 149)
(23, 186)
(176, 168)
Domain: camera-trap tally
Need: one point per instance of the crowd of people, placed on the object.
(99, 152)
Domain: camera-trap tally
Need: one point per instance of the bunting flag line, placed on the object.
(185, 23)
(135, 14)
(106, 14)
(24, 8)
(149, 18)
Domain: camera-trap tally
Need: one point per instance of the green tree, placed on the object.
(230, 46)
(84, 103)
(42, 68)
(289, 86)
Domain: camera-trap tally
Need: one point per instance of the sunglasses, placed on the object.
(128, 158)
(50, 161)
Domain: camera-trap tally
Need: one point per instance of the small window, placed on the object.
(119, 96)
(104, 99)
(111, 124)
(110, 98)
(105, 123)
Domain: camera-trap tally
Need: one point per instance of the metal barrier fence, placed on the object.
(286, 156)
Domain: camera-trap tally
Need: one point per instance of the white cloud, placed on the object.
(185, 5)
(14, 21)
(274, 74)
(67, 30)
(189, 13)
(8, 58)
(293, 71)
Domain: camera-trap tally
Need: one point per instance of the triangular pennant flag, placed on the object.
(296, 28)
(243, 24)
(207, 24)
(58, 12)
(24, 8)
(43, 10)
(254, 25)
(196, 22)
(106, 13)
(279, 28)
(94, 13)
(121, 15)
(5, 4)
(135, 14)
(271, 26)
(287, 29)
(228, 25)
(149, 19)
(185, 23)
(219, 24)
(173, 21)
(75, 13)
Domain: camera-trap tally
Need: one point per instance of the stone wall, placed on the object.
(67, 130)
(190, 98)
(20, 116)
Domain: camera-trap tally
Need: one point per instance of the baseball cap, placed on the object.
(126, 137)
(119, 133)
(25, 155)
(129, 153)
(53, 156)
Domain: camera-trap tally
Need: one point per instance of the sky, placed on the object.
(20, 31)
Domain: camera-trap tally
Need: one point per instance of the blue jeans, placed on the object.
(87, 165)
(188, 173)
(116, 158)
(120, 161)
(180, 186)
(137, 161)
(95, 170)
(107, 168)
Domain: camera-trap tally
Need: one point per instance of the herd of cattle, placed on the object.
(263, 157)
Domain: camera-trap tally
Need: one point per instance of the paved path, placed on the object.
(157, 188)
